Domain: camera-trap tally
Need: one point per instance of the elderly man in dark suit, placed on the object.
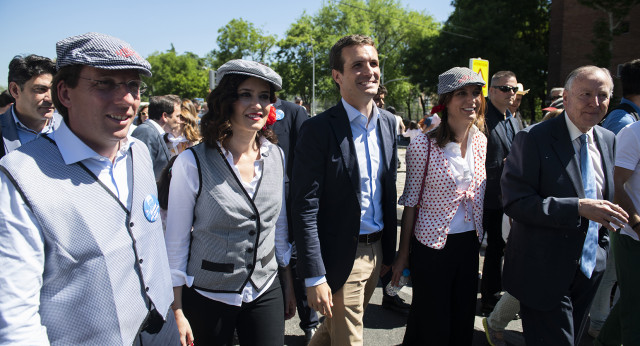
(344, 195)
(501, 128)
(557, 186)
(164, 117)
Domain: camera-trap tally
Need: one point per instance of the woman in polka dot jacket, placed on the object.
(442, 247)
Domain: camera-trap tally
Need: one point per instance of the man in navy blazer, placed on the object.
(164, 117)
(344, 195)
(543, 192)
(32, 113)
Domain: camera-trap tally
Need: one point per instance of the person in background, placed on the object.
(6, 100)
(413, 131)
(81, 248)
(189, 134)
(442, 218)
(227, 235)
(143, 114)
(32, 113)
(515, 107)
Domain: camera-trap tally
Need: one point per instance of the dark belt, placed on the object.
(370, 238)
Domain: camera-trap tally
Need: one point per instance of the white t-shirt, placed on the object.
(628, 156)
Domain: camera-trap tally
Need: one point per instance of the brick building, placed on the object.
(570, 36)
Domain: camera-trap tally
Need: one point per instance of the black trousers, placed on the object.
(308, 316)
(445, 283)
(167, 335)
(492, 267)
(260, 322)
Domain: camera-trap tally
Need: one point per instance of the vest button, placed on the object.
(252, 218)
(131, 224)
(140, 261)
(146, 288)
(249, 266)
(252, 232)
(250, 250)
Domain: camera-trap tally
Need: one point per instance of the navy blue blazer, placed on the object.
(158, 149)
(326, 195)
(541, 185)
(498, 147)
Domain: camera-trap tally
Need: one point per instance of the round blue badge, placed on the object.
(279, 114)
(151, 208)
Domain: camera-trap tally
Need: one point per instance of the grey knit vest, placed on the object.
(233, 238)
(105, 266)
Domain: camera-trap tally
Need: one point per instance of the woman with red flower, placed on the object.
(227, 236)
(442, 219)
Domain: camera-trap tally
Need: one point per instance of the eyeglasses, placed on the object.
(505, 88)
(109, 85)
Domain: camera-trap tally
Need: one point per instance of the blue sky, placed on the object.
(34, 26)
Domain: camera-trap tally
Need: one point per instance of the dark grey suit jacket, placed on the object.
(498, 147)
(158, 149)
(326, 195)
(541, 185)
(10, 139)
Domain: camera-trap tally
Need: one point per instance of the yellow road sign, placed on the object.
(481, 66)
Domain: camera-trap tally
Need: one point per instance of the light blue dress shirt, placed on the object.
(26, 134)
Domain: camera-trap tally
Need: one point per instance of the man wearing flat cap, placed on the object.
(344, 195)
(82, 248)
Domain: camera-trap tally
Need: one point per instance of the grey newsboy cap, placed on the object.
(249, 68)
(100, 51)
(456, 78)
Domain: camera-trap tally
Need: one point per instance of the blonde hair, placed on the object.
(191, 132)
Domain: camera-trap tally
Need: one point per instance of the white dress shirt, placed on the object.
(182, 199)
(22, 243)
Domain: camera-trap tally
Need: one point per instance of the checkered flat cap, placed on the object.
(249, 68)
(100, 51)
(456, 78)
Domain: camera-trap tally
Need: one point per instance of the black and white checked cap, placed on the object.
(100, 51)
(249, 68)
(456, 78)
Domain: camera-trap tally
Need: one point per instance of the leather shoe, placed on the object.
(308, 335)
(494, 337)
(395, 303)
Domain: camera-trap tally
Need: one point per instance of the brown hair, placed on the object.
(215, 125)
(443, 133)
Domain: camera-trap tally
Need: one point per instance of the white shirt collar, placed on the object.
(574, 132)
(156, 125)
(46, 129)
(73, 149)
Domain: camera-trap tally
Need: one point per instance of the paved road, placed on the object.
(385, 328)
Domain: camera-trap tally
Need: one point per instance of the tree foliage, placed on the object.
(240, 39)
(184, 75)
(604, 30)
(393, 27)
(519, 44)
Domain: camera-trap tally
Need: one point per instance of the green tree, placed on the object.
(393, 27)
(604, 30)
(184, 75)
(240, 39)
(519, 44)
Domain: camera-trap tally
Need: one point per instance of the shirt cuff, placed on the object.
(315, 281)
(284, 259)
(179, 278)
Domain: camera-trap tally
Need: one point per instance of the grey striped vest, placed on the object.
(104, 265)
(233, 235)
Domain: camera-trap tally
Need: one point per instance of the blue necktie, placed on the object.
(588, 259)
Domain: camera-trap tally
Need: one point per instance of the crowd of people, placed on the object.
(165, 224)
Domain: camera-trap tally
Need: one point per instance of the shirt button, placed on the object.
(252, 218)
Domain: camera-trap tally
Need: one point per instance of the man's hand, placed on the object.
(320, 299)
(610, 215)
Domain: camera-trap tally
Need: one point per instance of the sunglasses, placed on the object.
(506, 88)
